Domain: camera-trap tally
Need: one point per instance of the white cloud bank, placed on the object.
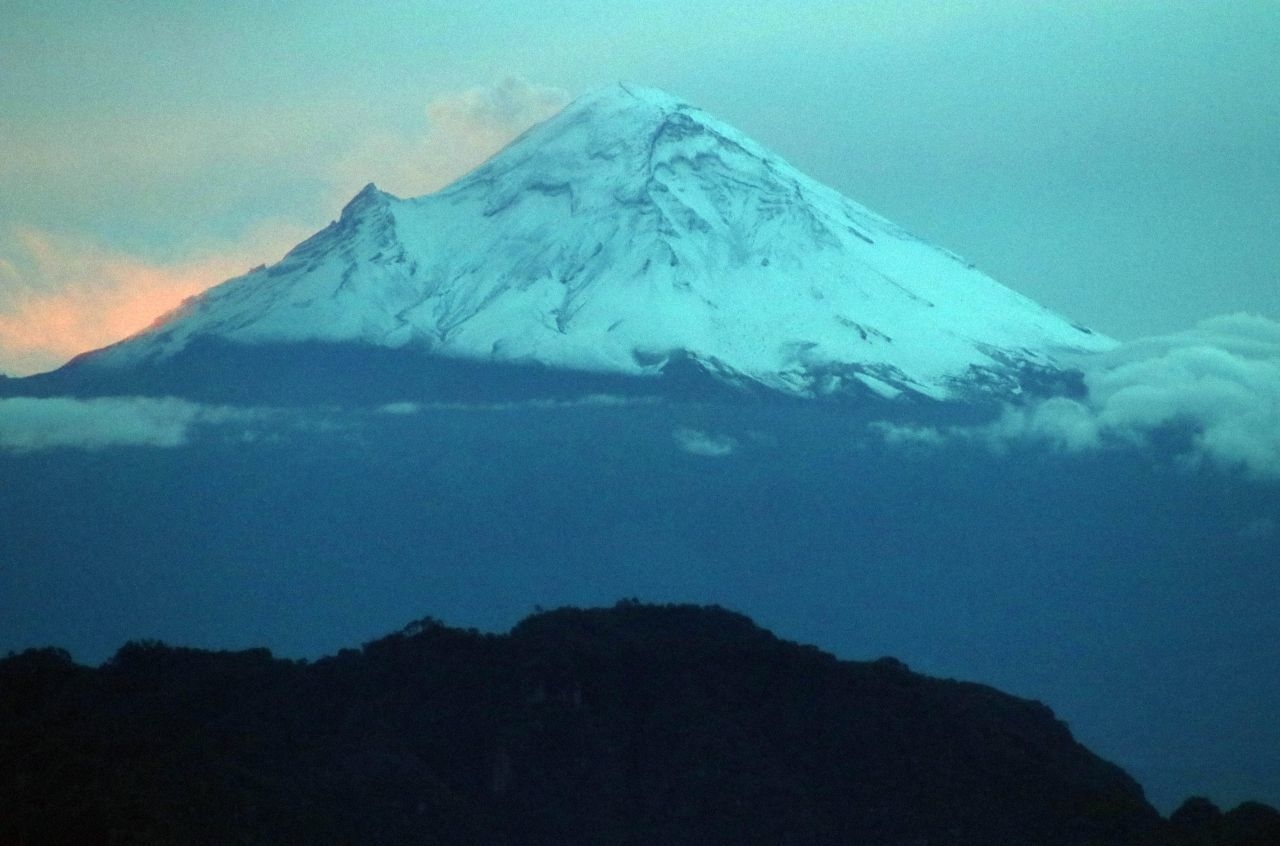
(706, 444)
(1221, 379)
(406, 407)
(30, 424)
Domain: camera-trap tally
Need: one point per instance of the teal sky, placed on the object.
(1119, 162)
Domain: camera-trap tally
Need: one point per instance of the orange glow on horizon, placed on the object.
(66, 296)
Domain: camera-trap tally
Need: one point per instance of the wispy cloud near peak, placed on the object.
(463, 129)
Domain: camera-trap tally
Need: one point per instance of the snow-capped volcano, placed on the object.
(628, 230)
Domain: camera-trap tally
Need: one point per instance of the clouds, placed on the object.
(1221, 380)
(705, 444)
(1222, 377)
(63, 295)
(35, 424)
(490, 116)
(404, 408)
(464, 128)
(30, 425)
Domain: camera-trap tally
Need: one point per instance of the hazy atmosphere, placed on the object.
(1119, 163)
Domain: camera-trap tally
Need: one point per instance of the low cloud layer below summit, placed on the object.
(29, 424)
(1220, 380)
(1216, 387)
(35, 424)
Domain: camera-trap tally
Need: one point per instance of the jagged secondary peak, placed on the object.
(634, 230)
(369, 197)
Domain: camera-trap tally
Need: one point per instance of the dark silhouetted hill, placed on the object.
(631, 725)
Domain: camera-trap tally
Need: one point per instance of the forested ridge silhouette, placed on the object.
(633, 724)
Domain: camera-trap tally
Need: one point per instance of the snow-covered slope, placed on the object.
(631, 228)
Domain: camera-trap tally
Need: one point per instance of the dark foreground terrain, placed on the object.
(636, 724)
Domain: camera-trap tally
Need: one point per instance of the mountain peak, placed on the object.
(631, 231)
(618, 133)
(627, 93)
(368, 197)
